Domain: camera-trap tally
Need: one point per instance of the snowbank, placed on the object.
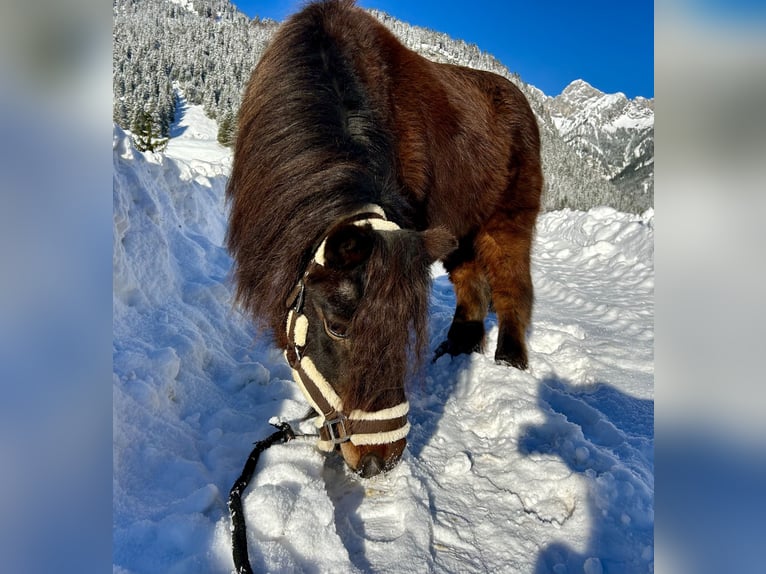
(549, 470)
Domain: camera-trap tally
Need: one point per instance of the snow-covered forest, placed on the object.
(207, 47)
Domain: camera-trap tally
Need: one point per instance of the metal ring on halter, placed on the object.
(340, 422)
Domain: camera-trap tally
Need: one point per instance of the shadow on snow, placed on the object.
(607, 438)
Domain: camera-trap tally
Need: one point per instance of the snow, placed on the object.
(188, 4)
(630, 122)
(550, 470)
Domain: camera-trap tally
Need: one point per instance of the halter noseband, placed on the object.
(336, 426)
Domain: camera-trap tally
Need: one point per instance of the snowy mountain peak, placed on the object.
(611, 132)
(580, 89)
(581, 103)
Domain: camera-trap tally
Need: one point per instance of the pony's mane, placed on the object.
(311, 149)
(389, 331)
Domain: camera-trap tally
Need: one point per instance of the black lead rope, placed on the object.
(238, 532)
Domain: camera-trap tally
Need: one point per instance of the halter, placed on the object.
(335, 425)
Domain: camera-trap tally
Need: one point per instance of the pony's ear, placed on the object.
(348, 246)
(438, 243)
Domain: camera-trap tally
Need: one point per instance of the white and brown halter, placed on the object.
(335, 425)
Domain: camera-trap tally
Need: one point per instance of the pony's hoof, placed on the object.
(518, 362)
(511, 351)
(450, 347)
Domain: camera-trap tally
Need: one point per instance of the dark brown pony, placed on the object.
(339, 116)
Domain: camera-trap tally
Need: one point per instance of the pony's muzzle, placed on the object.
(370, 465)
(370, 460)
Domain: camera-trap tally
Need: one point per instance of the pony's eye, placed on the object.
(335, 329)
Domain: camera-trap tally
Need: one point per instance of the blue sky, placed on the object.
(608, 43)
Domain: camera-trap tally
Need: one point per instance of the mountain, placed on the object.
(612, 133)
(207, 49)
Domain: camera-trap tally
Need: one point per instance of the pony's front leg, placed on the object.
(503, 248)
(473, 296)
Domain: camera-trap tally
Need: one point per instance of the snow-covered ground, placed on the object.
(550, 470)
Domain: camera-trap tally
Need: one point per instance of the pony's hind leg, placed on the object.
(473, 296)
(503, 248)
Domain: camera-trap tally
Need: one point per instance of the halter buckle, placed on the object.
(333, 426)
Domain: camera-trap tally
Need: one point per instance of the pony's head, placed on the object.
(356, 327)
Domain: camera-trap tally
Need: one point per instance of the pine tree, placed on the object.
(146, 133)
(227, 129)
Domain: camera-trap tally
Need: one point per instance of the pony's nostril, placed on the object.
(370, 465)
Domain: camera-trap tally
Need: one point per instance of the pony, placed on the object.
(358, 164)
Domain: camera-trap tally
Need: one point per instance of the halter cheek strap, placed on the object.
(335, 425)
